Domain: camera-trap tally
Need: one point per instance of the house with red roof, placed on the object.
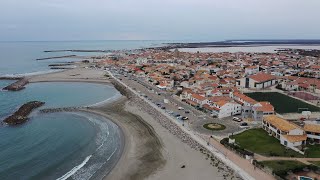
(257, 81)
(261, 109)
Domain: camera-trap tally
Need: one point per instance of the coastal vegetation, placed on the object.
(282, 168)
(283, 103)
(258, 141)
(21, 115)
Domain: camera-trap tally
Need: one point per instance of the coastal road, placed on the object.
(240, 165)
(196, 118)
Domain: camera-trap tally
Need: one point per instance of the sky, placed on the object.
(205, 20)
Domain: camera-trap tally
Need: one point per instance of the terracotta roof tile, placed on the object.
(312, 128)
(262, 77)
(295, 138)
(280, 123)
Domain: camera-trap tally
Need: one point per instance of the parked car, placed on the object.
(163, 107)
(236, 119)
(187, 112)
(214, 115)
(180, 108)
(184, 118)
(244, 124)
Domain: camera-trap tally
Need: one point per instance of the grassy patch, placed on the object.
(313, 151)
(281, 168)
(316, 163)
(258, 141)
(281, 102)
(214, 126)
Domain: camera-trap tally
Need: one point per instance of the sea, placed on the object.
(64, 145)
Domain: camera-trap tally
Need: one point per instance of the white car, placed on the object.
(236, 119)
(180, 108)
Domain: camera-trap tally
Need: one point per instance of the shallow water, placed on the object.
(50, 146)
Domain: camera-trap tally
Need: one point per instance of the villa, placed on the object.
(289, 134)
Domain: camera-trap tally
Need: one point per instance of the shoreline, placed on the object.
(116, 112)
(151, 150)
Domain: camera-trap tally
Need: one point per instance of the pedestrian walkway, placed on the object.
(256, 173)
(303, 160)
(238, 164)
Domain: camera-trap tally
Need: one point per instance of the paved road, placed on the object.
(196, 118)
(240, 165)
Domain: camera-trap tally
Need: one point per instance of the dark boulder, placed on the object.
(21, 115)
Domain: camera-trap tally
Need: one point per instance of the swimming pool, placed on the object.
(304, 178)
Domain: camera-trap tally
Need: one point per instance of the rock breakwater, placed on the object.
(21, 115)
(18, 85)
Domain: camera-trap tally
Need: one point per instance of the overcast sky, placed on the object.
(207, 20)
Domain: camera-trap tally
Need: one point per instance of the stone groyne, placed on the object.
(10, 78)
(18, 85)
(21, 115)
(66, 109)
(56, 57)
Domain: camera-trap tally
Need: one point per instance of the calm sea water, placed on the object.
(20, 57)
(58, 145)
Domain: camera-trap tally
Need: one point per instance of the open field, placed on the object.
(258, 141)
(283, 103)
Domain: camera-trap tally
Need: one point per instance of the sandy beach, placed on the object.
(73, 75)
(150, 151)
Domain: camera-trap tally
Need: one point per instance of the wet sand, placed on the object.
(150, 150)
(142, 148)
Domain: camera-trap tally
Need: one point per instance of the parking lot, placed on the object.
(194, 119)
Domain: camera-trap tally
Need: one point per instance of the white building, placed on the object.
(289, 134)
(312, 128)
(258, 81)
(224, 108)
(251, 70)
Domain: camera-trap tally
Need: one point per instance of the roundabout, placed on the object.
(214, 126)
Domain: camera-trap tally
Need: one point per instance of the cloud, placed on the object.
(158, 19)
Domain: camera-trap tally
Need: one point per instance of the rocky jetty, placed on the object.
(56, 57)
(10, 78)
(66, 109)
(17, 86)
(21, 115)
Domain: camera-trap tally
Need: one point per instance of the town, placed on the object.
(263, 106)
